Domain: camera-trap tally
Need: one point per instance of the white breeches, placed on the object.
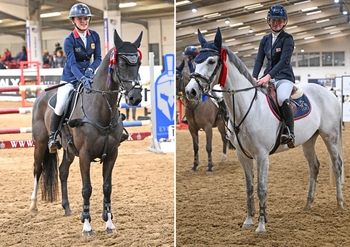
(62, 97)
(283, 90)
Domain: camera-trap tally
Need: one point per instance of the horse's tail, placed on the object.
(49, 178)
(340, 157)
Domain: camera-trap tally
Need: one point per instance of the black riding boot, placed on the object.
(54, 123)
(222, 109)
(288, 116)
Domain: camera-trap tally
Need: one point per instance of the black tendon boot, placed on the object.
(288, 116)
(54, 123)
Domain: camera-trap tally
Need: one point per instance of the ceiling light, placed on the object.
(345, 12)
(336, 1)
(250, 31)
(194, 10)
(310, 37)
(227, 21)
(209, 34)
(329, 27)
(246, 44)
(229, 40)
(335, 32)
(308, 9)
(291, 27)
(178, 23)
(259, 34)
(52, 14)
(301, 33)
(240, 28)
(307, 1)
(183, 2)
(236, 24)
(324, 20)
(253, 6)
(203, 31)
(247, 55)
(212, 15)
(127, 5)
(315, 12)
(0, 21)
(302, 50)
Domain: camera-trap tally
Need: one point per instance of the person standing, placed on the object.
(277, 47)
(80, 46)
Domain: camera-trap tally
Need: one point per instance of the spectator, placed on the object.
(47, 59)
(6, 56)
(58, 47)
(22, 55)
(59, 59)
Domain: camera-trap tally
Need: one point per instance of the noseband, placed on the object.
(198, 77)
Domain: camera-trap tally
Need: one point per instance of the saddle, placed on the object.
(300, 103)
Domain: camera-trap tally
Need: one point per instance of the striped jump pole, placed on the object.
(24, 88)
(142, 104)
(137, 123)
(21, 110)
(16, 130)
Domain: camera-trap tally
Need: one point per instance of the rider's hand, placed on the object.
(89, 73)
(87, 84)
(264, 80)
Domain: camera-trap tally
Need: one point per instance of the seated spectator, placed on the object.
(59, 59)
(47, 59)
(58, 47)
(22, 55)
(6, 56)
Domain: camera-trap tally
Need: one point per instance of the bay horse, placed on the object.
(92, 131)
(203, 115)
(256, 128)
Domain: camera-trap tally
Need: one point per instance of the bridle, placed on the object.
(198, 77)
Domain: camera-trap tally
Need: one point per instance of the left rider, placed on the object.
(80, 46)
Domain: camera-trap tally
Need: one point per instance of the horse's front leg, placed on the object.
(248, 167)
(209, 138)
(107, 215)
(221, 128)
(64, 173)
(194, 134)
(262, 170)
(86, 192)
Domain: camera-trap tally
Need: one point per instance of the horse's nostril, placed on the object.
(193, 92)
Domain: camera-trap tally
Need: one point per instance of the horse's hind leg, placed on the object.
(314, 165)
(221, 128)
(64, 173)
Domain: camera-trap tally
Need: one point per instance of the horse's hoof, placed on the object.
(67, 212)
(210, 173)
(34, 210)
(88, 233)
(247, 226)
(109, 230)
(193, 170)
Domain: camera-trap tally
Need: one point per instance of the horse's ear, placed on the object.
(218, 39)
(201, 38)
(137, 42)
(117, 40)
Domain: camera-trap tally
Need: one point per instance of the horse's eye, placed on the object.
(122, 65)
(211, 61)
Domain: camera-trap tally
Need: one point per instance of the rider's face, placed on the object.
(82, 22)
(277, 24)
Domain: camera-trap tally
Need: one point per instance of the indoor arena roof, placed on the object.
(13, 13)
(309, 21)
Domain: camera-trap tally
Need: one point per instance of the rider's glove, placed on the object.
(89, 73)
(87, 84)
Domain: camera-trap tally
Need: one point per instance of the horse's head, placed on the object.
(126, 68)
(208, 64)
(182, 78)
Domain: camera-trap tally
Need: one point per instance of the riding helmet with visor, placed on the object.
(190, 51)
(79, 9)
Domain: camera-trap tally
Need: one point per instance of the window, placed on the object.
(314, 59)
(327, 59)
(339, 58)
(303, 60)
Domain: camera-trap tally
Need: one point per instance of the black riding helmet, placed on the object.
(277, 11)
(190, 51)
